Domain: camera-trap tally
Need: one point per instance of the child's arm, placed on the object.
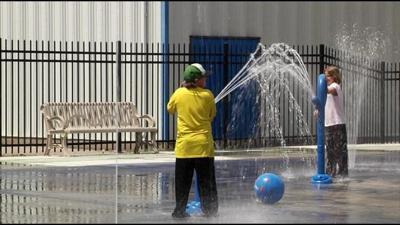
(332, 90)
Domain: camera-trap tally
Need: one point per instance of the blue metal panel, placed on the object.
(244, 116)
(209, 51)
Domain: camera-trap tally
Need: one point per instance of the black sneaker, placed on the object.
(180, 215)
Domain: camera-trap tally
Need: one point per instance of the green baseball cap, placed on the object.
(193, 72)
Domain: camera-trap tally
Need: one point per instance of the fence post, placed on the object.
(226, 101)
(383, 102)
(118, 62)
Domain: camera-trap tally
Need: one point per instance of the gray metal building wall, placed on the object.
(290, 22)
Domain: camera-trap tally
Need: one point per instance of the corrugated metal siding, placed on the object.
(80, 21)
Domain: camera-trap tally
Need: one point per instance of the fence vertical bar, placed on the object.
(1, 102)
(77, 85)
(6, 87)
(101, 90)
(174, 75)
(131, 77)
(42, 82)
(95, 82)
(24, 92)
(18, 98)
(383, 102)
(124, 90)
(37, 93)
(146, 74)
(118, 89)
(12, 96)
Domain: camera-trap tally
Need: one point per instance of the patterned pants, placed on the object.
(336, 150)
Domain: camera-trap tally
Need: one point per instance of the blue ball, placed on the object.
(269, 188)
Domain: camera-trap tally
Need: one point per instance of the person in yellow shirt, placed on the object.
(194, 148)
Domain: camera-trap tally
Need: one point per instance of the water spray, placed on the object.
(319, 101)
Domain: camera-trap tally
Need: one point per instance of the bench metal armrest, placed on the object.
(56, 119)
(150, 120)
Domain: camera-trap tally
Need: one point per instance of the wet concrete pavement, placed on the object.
(82, 189)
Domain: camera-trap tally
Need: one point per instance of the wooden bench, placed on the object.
(97, 117)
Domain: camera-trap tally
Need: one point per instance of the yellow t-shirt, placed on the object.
(196, 110)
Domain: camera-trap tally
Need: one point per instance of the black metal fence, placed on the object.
(33, 73)
(372, 89)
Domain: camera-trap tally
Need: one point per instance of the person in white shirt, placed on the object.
(335, 126)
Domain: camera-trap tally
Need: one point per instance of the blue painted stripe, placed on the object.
(165, 73)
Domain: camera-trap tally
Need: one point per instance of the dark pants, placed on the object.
(205, 171)
(336, 150)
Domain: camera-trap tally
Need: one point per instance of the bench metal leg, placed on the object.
(49, 144)
(64, 144)
(153, 142)
(138, 143)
